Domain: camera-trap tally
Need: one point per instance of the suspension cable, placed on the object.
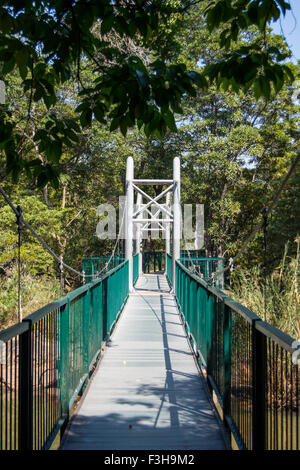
(38, 237)
(188, 251)
(243, 248)
(118, 238)
(113, 251)
(58, 259)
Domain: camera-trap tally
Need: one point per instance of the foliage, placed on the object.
(36, 292)
(46, 42)
(236, 150)
(33, 256)
(280, 291)
(251, 64)
(49, 42)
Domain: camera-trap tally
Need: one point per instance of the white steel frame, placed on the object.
(172, 216)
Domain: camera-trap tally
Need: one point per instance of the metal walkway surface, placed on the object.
(147, 392)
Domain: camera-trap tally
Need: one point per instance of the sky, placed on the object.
(289, 26)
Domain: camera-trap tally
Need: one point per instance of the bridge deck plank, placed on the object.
(147, 392)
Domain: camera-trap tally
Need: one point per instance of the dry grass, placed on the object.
(277, 300)
(36, 292)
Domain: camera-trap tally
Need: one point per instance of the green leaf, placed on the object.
(106, 24)
(265, 86)
(141, 78)
(123, 127)
(21, 57)
(140, 123)
(71, 134)
(99, 113)
(49, 100)
(86, 117)
(257, 89)
(54, 150)
(147, 129)
(114, 124)
(8, 66)
(289, 73)
(170, 121)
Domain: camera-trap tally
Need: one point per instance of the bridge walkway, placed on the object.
(147, 392)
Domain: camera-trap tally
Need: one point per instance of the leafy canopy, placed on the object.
(255, 63)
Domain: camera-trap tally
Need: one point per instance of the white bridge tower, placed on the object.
(136, 214)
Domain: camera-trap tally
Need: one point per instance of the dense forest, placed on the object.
(235, 145)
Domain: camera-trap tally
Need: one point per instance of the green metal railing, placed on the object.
(192, 253)
(93, 266)
(206, 268)
(247, 362)
(135, 268)
(47, 359)
(153, 261)
(202, 267)
(169, 269)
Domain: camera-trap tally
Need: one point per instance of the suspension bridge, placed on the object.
(157, 360)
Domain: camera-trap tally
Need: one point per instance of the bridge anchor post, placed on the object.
(176, 217)
(129, 221)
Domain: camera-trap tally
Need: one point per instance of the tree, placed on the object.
(255, 63)
(48, 41)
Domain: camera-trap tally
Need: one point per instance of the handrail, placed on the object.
(13, 331)
(184, 258)
(169, 269)
(282, 339)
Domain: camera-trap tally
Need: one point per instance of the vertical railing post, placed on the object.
(25, 390)
(104, 309)
(180, 282)
(209, 332)
(194, 310)
(259, 388)
(226, 361)
(86, 330)
(198, 314)
(92, 277)
(64, 357)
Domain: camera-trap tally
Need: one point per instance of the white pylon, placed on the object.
(138, 242)
(176, 217)
(129, 221)
(167, 227)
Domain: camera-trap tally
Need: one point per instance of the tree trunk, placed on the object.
(63, 202)
(45, 194)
